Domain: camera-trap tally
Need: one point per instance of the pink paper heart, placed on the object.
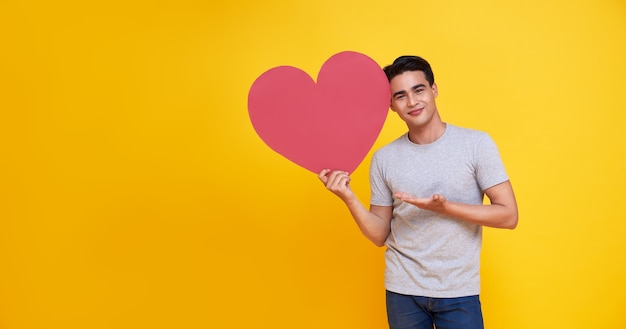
(332, 124)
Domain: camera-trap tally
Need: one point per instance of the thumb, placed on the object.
(439, 198)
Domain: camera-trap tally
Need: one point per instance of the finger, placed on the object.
(323, 175)
(345, 180)
(439, 198)
(337, 179)
(330, 178)
(402, 195)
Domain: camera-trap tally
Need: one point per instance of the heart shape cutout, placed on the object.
(331, 124)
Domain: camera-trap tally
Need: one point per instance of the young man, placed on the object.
(427, 206)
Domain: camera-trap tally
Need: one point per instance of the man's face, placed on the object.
(413, 98)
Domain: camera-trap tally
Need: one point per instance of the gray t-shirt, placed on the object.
(429, 254)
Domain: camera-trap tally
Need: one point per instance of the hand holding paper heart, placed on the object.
(329, 125)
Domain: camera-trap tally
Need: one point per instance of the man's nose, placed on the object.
(413, 99)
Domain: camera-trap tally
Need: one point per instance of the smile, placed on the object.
(416, 111)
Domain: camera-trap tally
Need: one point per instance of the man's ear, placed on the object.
(435, 89)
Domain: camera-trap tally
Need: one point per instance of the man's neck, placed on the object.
(428, 134)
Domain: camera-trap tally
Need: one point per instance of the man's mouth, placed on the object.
(416, 111)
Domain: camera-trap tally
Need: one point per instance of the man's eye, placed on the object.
(419, 91)
(400, 96)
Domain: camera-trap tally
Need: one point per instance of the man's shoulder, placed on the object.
(467, 133)
(393, 145)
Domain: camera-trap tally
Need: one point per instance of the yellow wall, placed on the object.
(134, 192)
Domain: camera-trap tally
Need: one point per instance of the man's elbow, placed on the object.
(379, 243)
(511, 222)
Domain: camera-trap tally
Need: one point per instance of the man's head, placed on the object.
(410, 63)
(413, 92)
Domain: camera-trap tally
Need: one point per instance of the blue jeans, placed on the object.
(415, 312)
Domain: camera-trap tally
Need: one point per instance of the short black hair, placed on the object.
(409, 63)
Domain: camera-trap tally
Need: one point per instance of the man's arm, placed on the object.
(375, 224)
(501, 213)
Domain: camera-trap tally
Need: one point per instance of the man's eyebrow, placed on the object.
(398, 93)
(421, 85)
(402, 92)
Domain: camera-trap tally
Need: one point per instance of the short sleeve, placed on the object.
(381, 194)
(490, 170)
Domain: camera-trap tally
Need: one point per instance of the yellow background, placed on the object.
(134, 192)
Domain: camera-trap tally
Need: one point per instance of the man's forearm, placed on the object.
(493, 215)
(372, 225)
